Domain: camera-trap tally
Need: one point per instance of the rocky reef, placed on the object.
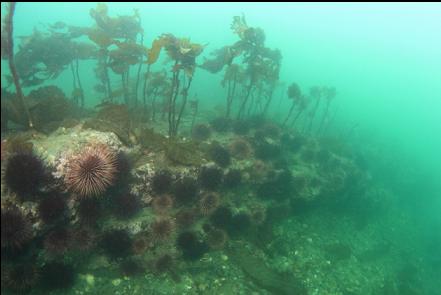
(136, 211)
(149, 193)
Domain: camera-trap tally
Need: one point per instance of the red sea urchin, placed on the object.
(16, 230)
(162, 204)
(186, 217)
(92, 171)
(240, 148)
(209, 202)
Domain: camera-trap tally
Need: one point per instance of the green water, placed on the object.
(370, 224)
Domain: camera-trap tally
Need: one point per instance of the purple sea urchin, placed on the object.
(162, 181)
(131, 267)
(83, 238)
(219, 155)
(56, 275)
(58, 241)
(20, 278)
(185, 189)
(116, 243)
(52, 207)
(191, 247)
(126, 205)
(16, 230)
(210, 177)
(24, 174)
(123, 167)
(164, 263)
(217, 238)
(258, 215)
(89, 210)
(233, 178)
(222, 217)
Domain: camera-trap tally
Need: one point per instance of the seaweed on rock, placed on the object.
(263, 276)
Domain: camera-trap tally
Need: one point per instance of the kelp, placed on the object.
(239, 26)
(125, 55)
(222, 57)
(123, 27)
(234, 76)
(183, 52)
(49, 106)
(315, 94)
(153, 53)
(7, 52)
(298, 100)
(11, 109)
(99, 37)
(261, 69)
(116, 38)
(44, 56)
(157, 87)
(329, 95)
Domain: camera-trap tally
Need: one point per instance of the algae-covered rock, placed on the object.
(184, 153)
(151, 140)
(56, 147)
(112, 118)
(106, 126)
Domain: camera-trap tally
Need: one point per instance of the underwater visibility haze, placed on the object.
(221, 148)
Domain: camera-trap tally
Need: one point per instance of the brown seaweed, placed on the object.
(263, 276)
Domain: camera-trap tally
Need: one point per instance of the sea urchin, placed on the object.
(209, 202)
(91, 171)
(16, 230)
(162, 228)
(24, 173)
